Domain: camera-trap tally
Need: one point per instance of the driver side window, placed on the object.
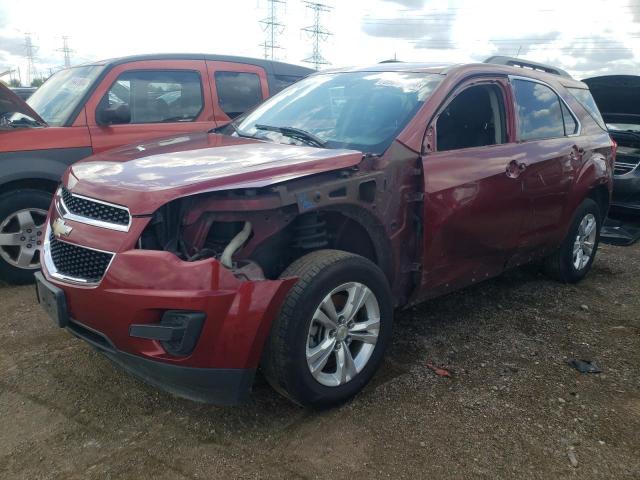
(152, 96)
(474, 118)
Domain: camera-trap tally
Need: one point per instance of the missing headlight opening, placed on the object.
(258, 233)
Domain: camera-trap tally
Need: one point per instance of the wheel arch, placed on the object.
(349, 228)
(45, 183)
(602, 196)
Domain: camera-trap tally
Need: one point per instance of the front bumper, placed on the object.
(220, 386)
(140, 285)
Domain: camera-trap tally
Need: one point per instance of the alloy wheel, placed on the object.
(21, 236)
(343, 334)
(584, 242)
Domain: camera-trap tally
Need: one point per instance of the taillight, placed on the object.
(614, 149)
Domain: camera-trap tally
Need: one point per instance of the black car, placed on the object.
(618, 98)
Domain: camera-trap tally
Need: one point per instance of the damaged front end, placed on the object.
(184, 297)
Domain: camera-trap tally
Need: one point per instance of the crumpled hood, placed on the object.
(10, 102)
(143, 177)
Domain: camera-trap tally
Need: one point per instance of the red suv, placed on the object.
(286, 239)
(91, 108)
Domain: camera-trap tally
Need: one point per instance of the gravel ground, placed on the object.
(512, 408)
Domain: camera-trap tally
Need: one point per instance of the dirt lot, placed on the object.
(513, 408)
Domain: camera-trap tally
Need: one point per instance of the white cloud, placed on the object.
(365, 31)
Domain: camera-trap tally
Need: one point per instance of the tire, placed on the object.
(289, 350)
(561, 265)
(22, 229)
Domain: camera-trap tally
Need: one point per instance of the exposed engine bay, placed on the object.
(258, 232)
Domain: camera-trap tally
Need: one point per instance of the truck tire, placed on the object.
(23, 216)
(573, 260)
(332, 329)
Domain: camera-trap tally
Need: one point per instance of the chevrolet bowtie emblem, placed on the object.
(60, 228)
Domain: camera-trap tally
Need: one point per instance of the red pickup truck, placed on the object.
(87, 109)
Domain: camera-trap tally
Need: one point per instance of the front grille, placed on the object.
(78, 262)
(620, 168)
(94, 210)
(627, 159)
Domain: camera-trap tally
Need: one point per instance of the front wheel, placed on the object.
(332, 330)
(23, 214)
(573, 260)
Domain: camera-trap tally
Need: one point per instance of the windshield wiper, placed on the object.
(236, 130)
(23, 121)
(296, 133)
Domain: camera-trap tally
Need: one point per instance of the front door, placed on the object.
(151, 99)
(474, 205)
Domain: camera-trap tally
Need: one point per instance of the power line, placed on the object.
(318, 33)
(66, 51)
(30, 54)
(273, 28)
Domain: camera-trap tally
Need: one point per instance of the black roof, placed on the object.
(274, 67)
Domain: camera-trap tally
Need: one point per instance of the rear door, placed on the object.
(156, 98)
(473, 205)
(549, 145)
(236, 88)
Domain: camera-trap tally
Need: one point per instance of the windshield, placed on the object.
(357, 110)
(58, 97)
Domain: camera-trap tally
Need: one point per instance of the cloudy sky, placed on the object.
(585, 37)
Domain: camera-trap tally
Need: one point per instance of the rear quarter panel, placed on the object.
(595, 167)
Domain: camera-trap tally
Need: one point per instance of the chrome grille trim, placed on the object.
(67, 214)
(55, 273)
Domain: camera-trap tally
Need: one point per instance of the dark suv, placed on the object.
(286, 239)
(618, 98)
(90, 108)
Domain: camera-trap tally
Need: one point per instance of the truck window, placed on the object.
(474, 118)
(538, 109)
(237, 92)
(280, 82)
(155, 96)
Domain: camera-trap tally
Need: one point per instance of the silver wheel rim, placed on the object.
(21, 236)
(343, 334)
(585, 241)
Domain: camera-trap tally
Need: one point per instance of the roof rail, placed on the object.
(519, 62)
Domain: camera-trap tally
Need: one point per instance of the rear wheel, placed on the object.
(23, 216)
(573, 260)
(332, 330)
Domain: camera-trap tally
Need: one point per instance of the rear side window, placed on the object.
(237, 92)
(570, 123)
(586, 100)
(155, 96)
(539, 111)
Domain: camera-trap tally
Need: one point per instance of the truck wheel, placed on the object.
(332, 329)
(23, 215)
(573, 260)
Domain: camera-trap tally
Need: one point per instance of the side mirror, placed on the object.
(117, 114)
